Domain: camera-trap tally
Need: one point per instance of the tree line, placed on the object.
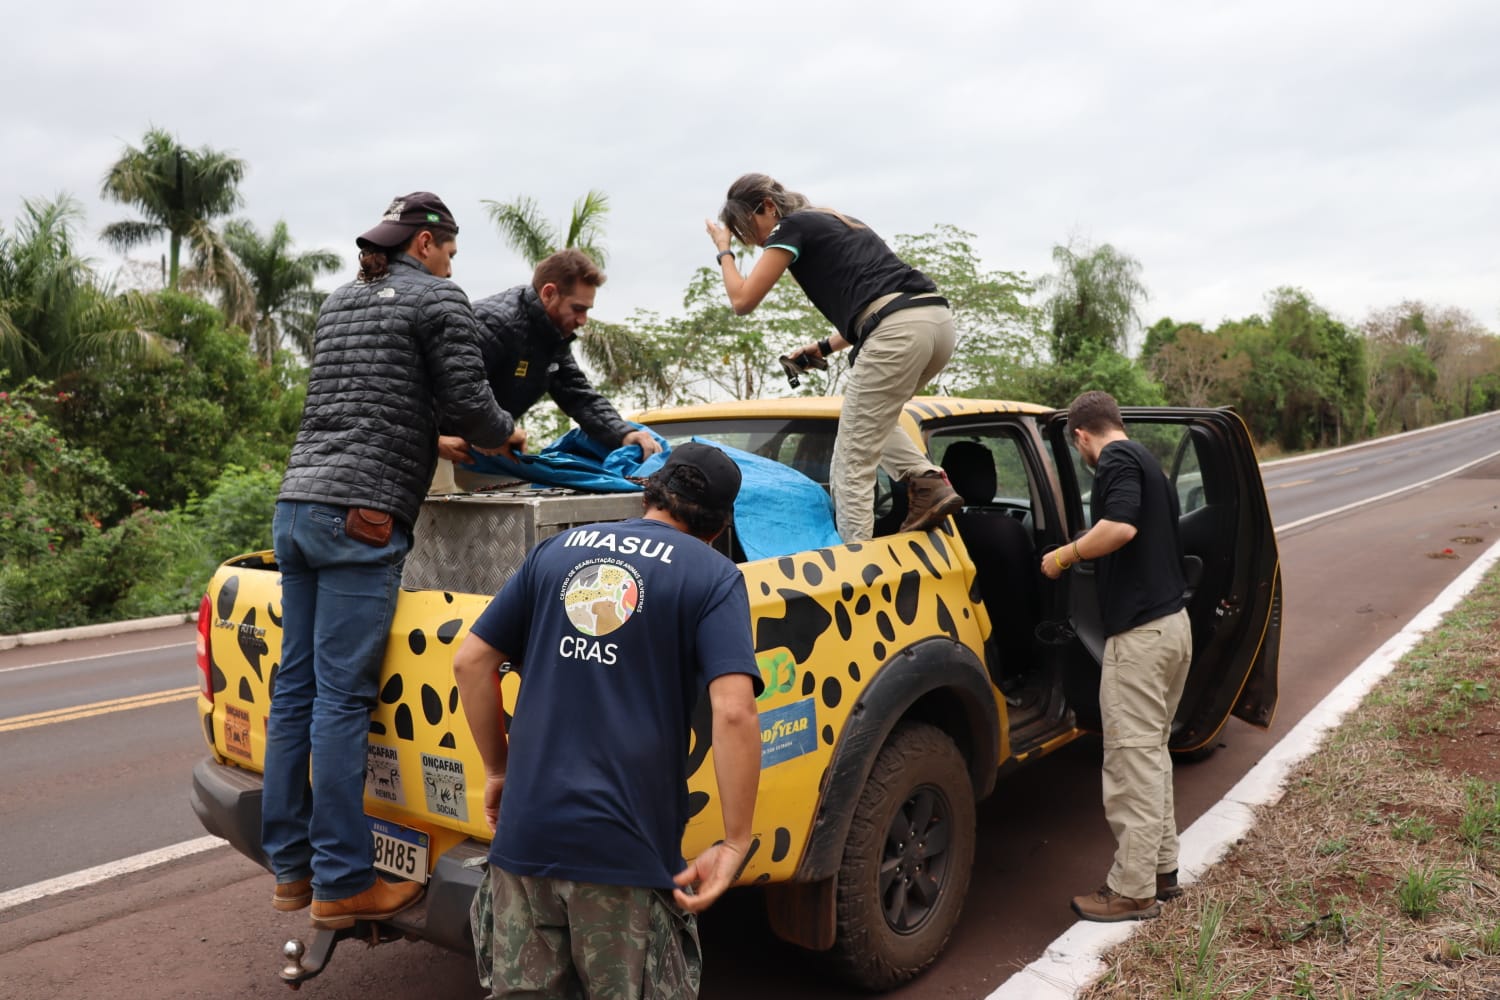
(144, 424)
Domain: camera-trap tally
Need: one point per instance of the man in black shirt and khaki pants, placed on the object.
(1138, 565)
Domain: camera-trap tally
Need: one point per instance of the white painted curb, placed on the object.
(1073, 960)
(96, 631)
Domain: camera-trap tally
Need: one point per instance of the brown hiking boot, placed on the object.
(929, 499)
(1107, 906)
(381, 901)
(291, 896)
(1167, 887)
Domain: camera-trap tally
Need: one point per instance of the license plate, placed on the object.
(398, 850)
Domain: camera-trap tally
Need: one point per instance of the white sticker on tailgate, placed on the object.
(383, 774)
(443, 781)
(399, 851)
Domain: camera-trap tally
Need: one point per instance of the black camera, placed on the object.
(795, 366)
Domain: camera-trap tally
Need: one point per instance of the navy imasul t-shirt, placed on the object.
(1142, 581)
(615, 630)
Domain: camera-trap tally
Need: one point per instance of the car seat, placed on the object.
(971, 472)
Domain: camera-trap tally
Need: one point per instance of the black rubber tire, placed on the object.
(888, 931)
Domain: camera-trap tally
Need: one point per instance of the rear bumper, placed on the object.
(227, 801)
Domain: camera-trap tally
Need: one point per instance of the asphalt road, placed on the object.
(109, 781)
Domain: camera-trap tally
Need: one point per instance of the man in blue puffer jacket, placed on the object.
(395, 351)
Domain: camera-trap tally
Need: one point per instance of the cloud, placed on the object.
(1343, 148)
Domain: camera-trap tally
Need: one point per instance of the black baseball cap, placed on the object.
(721, 477)
(406, 216)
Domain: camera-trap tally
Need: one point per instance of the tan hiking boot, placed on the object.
(929, 499)
(1107, 906)
(381, 901)
(291, 896)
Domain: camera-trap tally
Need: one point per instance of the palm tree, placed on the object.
(1091, 300)
(54, 314)
(180, 192)
(616, 351)
(286, 303)
(522, 226)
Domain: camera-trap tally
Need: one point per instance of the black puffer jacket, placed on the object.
(526, 356)
(388, 355)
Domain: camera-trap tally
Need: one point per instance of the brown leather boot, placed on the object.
(1107, 906)
(291, 896)
(381, 901)
(929, 498)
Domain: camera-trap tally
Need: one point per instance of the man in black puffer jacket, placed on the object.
(526, 336)
(393, 350)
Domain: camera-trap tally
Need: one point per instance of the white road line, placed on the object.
(97, 656)
(1074, 959)
(111, 869)
(1384, 496)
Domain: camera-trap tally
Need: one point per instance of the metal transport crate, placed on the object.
(473, 542)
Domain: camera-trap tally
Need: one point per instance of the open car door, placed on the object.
(1230, 560)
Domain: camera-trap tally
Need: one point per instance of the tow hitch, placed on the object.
(305, 961)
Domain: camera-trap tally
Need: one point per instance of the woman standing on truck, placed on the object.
(900, 330)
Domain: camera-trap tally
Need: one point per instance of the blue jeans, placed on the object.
(338, 596)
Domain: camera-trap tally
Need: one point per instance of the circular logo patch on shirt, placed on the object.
(600, 596)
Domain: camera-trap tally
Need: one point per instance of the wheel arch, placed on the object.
(937, 681)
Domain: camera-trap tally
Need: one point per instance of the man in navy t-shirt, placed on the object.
(615, 629)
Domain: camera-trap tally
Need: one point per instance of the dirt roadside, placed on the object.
(1377, 874)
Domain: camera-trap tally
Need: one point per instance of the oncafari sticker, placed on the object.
(383, 774)
(443, 783)
(237, 731)
(788, 732)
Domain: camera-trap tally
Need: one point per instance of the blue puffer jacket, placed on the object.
(388, 357)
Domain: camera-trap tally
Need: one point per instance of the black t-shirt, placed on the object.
(1143, 580)
(842, 268)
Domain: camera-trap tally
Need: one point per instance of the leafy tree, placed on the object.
(286, 299)
(171, 424)
(528, 232)
(1305, 385)
(52, 492)
(180, 192)
(1100, 368)
(54, 317)
(1424, 364)
(1090, 301)
(1196, 368)
(995, 341)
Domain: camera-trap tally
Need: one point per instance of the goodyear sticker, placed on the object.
(443, 782)
(237, 731)
(788, 732)
(383, 774)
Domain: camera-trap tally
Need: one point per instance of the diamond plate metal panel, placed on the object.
(472, 543)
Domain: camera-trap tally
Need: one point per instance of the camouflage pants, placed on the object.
(543, 937)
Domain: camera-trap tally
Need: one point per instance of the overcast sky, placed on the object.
(1349, 148)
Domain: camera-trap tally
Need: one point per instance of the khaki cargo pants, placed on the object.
(544, 937)
(1142, 681)
(901, 355)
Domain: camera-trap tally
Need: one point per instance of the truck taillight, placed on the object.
(205, 670)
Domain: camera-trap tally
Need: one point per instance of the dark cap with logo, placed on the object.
(406, 216)
(721, 477)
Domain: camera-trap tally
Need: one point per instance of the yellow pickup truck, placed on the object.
(903, 675)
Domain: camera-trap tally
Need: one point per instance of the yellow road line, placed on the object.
(1295, 482)
(97, 708)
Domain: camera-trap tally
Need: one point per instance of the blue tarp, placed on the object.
(779, 511)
